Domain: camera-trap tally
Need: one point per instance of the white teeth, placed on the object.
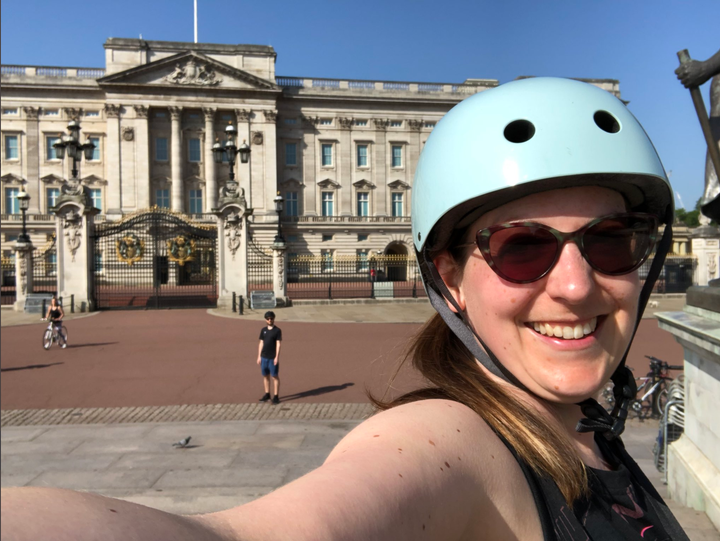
(566, 332)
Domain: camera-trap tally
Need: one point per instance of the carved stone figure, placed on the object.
(415, 124)
(270, 116)
(243, 115)
(232, 193)
(141, 111)
(692, 74)
(345, 123)
(74, 236)
(128, 133)
(381, 123)
(193, 73)
(233, 232)
(257, 138)
(112, 111)
(23, 272)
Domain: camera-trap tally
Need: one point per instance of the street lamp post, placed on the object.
(279, 208)
(228, 151)
(24, 202)
(70, 145)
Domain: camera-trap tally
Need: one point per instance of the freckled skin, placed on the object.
(431, 443)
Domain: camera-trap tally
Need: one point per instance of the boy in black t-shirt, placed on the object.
(269, 357)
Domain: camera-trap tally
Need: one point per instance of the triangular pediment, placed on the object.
(328, 183)
(52, 179)
(291, 184)
(399, 185)
(12, 178)
(364, 184)
(190, 70)
(94, 180)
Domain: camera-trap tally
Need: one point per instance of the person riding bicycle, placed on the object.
(533, 206)
(55, 314)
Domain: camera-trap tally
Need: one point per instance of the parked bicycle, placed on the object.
(652, 394)
(53, 333)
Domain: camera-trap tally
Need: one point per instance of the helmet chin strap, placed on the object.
(596, 418)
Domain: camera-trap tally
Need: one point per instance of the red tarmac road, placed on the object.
(171, 357)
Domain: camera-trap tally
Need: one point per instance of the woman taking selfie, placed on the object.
(534, 204)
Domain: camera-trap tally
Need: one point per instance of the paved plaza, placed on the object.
(103, 414)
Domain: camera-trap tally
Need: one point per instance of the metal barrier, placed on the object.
(676, 275)
(353, 277)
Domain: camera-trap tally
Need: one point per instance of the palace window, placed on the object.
(11, 147)
(161, 149)
(290, 121)
(397, 204)
(50, 152)
(290, 153)
(162, 198)
(327, 261)
(429, 124)
(51, 112)
(361, 122)
(396, 123)
(363, 204)
(13, 111)
(291, 238)
(362, 237)
(362, 155)
(362, 260)
(194, 150)
(92, 113)
(327, 154)
(327, 238)
(326, 121)
(397, 155)
(291, 204)
(327, 203)
(12, 205)
(96, 197)
(96, 151)
(196, 200)
(52, 197)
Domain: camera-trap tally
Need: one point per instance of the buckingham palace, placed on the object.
(339, 153)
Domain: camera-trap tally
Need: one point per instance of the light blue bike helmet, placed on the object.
(521, 138)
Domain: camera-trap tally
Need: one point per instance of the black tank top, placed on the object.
(54, 314)
(623, 504)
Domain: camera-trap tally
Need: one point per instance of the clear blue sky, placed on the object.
(635, 41)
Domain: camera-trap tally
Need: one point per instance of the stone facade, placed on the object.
(341, 152)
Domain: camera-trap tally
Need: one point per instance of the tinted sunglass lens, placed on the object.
(618, 245)
(521, 253)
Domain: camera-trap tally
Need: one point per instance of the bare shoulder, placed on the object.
(425, 468)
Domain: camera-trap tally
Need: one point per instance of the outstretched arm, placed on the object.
(29, 514)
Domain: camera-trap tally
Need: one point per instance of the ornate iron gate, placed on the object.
(44, 267)
(260, 268)
(154, 259)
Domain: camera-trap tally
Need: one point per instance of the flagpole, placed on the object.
(195, 21)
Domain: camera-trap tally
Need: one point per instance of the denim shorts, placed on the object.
(268, 367)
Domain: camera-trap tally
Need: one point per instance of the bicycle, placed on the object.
(652, 394)
(52, 334)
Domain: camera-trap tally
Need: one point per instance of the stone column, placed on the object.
(142, 156)
(74, 218)
(345, 165)
(232, 216)
(693, 461)
(280, 273)
(413, 148)
(211, 187)
(178, 189)
(706, 246)
(32, 150)
(309, 175)
(380, 167)
(114, 195)
(23, 273)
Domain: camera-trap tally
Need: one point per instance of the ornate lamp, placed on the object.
(24, 203)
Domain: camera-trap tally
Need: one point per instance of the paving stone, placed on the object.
(61, 447)
(306, 427)
(17, 479)
(93, 432)
(96, 480)
(178, 459)
(230, 477)
(20, 433)
(172, 432)
(46, 462)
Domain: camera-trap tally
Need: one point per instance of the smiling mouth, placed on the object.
(565, 332)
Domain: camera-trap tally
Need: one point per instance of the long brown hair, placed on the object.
(439, 355)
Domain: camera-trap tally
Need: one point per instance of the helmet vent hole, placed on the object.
(606, 122)
(519, 131)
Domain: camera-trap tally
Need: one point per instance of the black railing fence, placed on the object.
(260, 268)
(8, 281)
(676, 275)
(44, 263)
(353, 277)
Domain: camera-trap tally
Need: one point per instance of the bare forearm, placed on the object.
(48, 513)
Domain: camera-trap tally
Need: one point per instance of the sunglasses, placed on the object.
(523, 252)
